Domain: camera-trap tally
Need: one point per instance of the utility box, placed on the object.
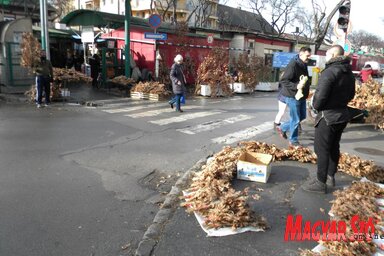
(254, 167)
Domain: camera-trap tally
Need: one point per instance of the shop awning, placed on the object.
(93, 18)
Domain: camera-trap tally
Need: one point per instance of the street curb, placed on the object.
(154, 231)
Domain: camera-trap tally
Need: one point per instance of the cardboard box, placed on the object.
(205, 90)
(254, 167)
(240, 88)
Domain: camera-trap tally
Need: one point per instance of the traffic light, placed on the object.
(344, 11)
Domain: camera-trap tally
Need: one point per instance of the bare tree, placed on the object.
(201, 11)
(63, 7)
(198, 10)
(164, 6)
(363, 38)
(322, 23)
(280, 13)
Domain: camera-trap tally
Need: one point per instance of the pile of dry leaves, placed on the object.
(212, 72)
(359, 199)
(368, 98)
(122, 80)
(211, 193)
(151, 87)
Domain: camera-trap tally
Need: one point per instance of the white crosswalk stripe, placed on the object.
(130, 109)
(244, 134)
(157, 112)
(185, 117)
(214, 124)
(141, 109)
(127, 103)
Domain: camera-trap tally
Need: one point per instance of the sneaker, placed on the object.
(275, 125)
(331, 181)
(46, 105)
(295, 144)
(171, 104)
(315, 186)
(281, 133)
(39, 106)
(179, 110)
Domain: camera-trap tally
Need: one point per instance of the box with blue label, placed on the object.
(254, 166)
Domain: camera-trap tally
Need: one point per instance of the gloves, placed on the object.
(300, 86)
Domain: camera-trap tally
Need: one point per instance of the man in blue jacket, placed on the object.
(335, 89)
(295, 88)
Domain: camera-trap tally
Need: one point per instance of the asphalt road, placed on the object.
(78, 180)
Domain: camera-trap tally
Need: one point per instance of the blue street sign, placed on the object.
(281, 59)
(156, 36)
(154, 20)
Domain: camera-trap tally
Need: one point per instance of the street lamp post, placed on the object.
(127, 38)
(296, 33)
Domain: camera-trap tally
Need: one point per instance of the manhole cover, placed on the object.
(370, 151)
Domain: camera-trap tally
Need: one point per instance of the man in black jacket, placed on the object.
(335, 89)
(294, 80)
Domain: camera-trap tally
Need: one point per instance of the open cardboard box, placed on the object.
(254, 166)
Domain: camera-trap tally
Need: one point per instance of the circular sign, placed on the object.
(345, 44)
(154, 20)
(210, 39)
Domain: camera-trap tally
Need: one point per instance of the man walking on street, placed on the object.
(295, 89)
(335, 89)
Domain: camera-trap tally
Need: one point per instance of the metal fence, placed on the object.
(12, 74)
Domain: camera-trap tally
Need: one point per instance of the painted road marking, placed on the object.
(185, 117)
(244, 134)
(157, 112)
(129, 109)
(214, 124)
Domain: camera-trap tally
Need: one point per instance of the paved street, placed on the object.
(79, 180)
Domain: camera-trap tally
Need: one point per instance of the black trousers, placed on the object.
(327, 148)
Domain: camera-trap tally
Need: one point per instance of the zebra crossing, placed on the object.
(160, 114)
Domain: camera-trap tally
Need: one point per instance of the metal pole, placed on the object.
(47, 50)
(157, 64)
(42, 20)
(127, 38)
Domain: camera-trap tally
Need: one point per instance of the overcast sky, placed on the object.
(365, 14)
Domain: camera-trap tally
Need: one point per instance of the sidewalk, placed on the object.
(79, 93)
(175, 232)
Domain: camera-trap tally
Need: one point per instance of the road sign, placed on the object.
(154, 21)
(87, 34)
(210, 39)
(345, 44)
(281, 59)
(156, 36)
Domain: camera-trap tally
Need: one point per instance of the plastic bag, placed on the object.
(182, 99)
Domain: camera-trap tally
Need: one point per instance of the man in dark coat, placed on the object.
(94, 62)
(335, 89)
(178, 82)
(44, 77)
(294, 80)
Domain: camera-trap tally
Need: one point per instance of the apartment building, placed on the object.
(198, 13)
